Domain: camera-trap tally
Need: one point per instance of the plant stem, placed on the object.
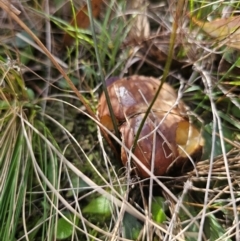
(180, 6)
(101, 72)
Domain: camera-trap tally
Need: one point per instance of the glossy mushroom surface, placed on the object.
(166, 139)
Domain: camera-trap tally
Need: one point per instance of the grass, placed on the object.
(60, 179)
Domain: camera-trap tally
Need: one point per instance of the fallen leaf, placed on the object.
(82, 19)
(227, 29)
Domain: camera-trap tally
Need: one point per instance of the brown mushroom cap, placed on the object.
(132, 95)
(169, 149)
(176, 139)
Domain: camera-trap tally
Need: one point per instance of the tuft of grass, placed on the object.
(24, 156)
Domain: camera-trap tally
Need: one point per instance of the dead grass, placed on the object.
(84, 187)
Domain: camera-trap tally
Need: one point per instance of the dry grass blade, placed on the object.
(56, 64)
(178, 85)
(140, 28)
(216, 122)
(49, 55)
(11, 7)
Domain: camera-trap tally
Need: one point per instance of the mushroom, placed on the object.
(176, 139)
